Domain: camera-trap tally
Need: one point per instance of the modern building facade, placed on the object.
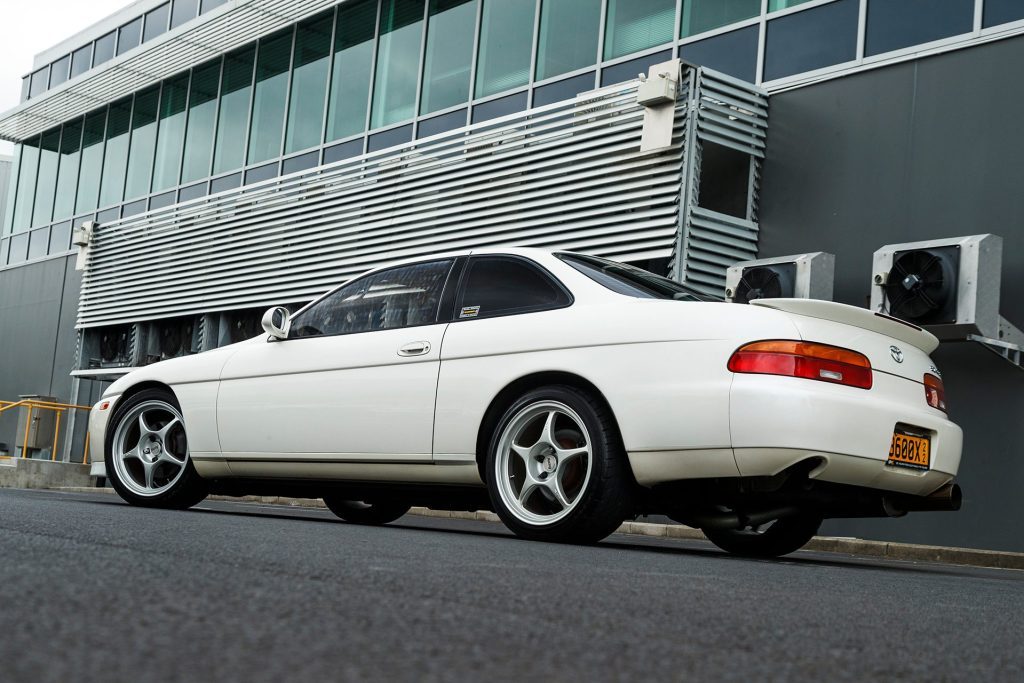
(211, 158)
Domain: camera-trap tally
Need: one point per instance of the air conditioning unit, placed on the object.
(948, 286)
(802, 276)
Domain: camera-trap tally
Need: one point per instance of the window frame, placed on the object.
(450, 283)
(529, 263)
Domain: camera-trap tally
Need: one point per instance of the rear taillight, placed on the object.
(934, 392)
(804, 359)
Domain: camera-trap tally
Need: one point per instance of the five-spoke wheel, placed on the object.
(147, 453)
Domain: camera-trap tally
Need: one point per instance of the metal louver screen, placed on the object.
(567, 176)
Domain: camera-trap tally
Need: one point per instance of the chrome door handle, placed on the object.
(417, 348)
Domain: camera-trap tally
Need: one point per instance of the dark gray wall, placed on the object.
(38, 306)
(921, 150)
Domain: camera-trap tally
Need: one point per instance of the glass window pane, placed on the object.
(734, 53)
(140, 155)
(353, 62)
(156, 22)
(895, 24)
(398, 59)
(92, 162)
(183, 11)
(170, 132)
(233, 116)
(103, 49)
(496, 285)
(776, 5)
(450, 30)
(704, 15)
(503, 106)
(26, 82)
(635, 25)
(268, 100)
(627, 71)
(506, 45)
(563, 90)
(129, 36)
(39, 82)
(59, 71)
(26, 184)
(211, 4)
(115, 156)
(812, 39)
(309, 83)
(1002, 11)
(67, 175)
(399, 297)
(46, 182)
(202, 112)
(568, 36)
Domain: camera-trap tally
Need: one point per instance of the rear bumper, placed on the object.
(777, 422)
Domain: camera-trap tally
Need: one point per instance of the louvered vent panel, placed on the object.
(567, 176)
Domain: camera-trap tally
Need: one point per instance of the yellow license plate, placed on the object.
(908, 450)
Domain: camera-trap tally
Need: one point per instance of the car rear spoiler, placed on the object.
(856, 317)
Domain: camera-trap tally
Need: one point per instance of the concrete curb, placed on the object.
(993, 559)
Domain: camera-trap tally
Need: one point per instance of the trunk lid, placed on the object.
(893, 346)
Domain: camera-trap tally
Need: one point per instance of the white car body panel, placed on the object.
(349, 407)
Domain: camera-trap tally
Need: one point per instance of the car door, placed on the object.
(355, 380)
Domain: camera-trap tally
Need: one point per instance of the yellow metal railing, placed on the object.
(59, 409)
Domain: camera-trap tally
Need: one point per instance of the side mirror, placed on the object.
(276, 322)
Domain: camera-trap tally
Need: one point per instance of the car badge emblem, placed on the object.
(897, 353)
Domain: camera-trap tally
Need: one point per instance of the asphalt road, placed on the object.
(93, 590)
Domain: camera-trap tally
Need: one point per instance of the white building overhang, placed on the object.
(230, 26)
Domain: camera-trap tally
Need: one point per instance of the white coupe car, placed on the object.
(565, 392)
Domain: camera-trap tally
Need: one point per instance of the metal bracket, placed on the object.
(1005, 350)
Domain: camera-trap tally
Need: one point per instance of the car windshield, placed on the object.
(630, 280)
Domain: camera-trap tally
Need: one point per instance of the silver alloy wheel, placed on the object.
(149, 449)
(543, 463)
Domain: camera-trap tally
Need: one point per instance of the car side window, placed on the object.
(502, 285)
(398, 297)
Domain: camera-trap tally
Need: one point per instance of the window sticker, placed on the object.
(469, 312)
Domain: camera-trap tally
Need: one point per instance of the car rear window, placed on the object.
(630, 280)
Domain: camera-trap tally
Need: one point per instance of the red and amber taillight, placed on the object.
(934, 392)
(808, 360)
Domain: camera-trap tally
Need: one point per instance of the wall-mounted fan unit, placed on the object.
(802, 276)
(237, 326)
(111, 347)
(949, 287)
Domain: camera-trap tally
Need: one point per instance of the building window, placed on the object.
(202, 114)
(895, 24)
(115, 156)
(129, 36)
(103, 48)
(170, 132)
(39, 82)
(156, 22)
(67, 174)
(1002, 11)
(46, 182)
(26, 184)
(184, 10)
(81, 60)
(352, 68)
(704, 15)
(92, 162)
(776, 5)
(733, 53)
(398, 58)
(506, 45)
(569, 30)
(59, 71)
(269, 96)
(812, 39)
(449, 55)
(140, 153)
(211, 4)
(636, 25)
(309, 83)
(233, 115)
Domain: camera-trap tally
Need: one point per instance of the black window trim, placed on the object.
(438, 316)
(530, 263)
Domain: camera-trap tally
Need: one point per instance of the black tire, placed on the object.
(189, 488)
(370, 513)
(781, 538)
(607, 497)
